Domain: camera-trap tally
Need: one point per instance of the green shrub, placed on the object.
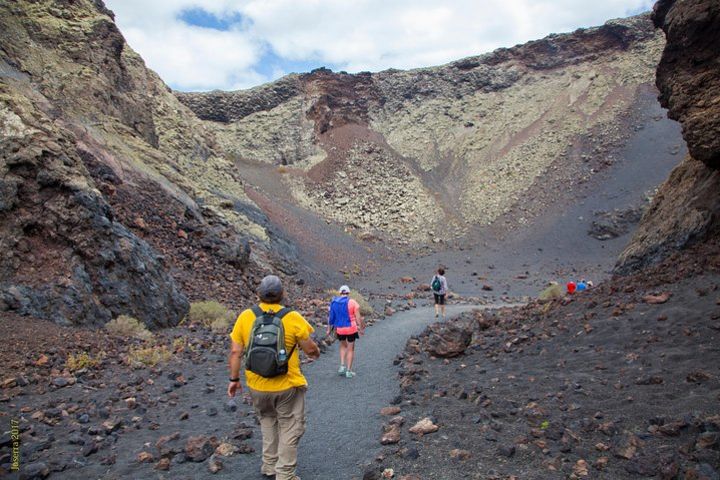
(211, 314)
(126, 326)
(148, 356)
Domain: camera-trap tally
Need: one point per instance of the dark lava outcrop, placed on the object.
(65, 256)
(689, 73)
(113, 197)
(686, 208)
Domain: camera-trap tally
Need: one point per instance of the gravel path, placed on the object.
(343, 420)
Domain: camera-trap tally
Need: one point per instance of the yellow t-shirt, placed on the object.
(296, 329)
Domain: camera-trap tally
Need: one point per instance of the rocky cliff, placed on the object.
(404, 155)
(687, 207)
(113, 196)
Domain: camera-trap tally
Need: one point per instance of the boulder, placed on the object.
(199, 448)
(447, 339)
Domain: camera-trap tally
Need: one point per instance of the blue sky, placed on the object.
(270, 62)
(233, 44)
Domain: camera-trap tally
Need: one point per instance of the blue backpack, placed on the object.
(339, 313)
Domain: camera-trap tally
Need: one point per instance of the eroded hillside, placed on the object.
(431, 154)
(114, 198)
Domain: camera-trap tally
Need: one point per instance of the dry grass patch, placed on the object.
(211, 314)
(128, 327)
(81, 361)
(552, 291)
(148, 356)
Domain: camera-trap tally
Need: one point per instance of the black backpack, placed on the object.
(266, 355)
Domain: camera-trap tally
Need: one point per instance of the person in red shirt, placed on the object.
(346, 334)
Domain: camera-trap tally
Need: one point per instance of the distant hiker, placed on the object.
(345, 318)
(439, 287)
(571, 287)
(582, 285)
(269, 335)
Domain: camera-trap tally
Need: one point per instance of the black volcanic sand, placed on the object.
(186, 397)
(605, 382)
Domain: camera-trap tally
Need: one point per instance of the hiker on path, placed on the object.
(278, 398)
(440, 288)
(345, 318)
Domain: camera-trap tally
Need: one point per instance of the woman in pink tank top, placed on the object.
(348, 335)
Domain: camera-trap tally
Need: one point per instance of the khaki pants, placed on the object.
(282, 421)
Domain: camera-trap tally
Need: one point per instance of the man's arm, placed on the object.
(235, 362)
(310, 348)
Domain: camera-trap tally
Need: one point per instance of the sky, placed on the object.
(199, 45)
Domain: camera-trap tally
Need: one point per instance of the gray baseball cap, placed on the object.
(270, 289)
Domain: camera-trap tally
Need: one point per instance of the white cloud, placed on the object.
(351, 35)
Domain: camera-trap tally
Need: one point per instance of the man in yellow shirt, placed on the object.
(279, 401)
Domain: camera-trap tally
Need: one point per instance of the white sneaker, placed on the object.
(342, 370)
(349, 374)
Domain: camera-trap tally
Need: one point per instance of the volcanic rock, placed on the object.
(447, 339)
(199, 448)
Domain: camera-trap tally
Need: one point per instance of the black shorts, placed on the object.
(348, 338)
(439, 299)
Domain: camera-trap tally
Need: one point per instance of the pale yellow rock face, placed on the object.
(375, 192)
(282, 134)
(493, 146)
(454, 147)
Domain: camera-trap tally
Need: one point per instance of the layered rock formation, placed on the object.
(114, 198)
(467, 139)
(687, 207)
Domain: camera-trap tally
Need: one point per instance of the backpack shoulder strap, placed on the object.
(259, 312)
(281, 314)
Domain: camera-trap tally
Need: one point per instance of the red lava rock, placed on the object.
(601, 463)
(581, 468)
(447, 339)
(398, 420)
(199, 448)
(145, 457)
(140, 223)
(460, 454)
(657, 299)
(8, 383)
(391, 435)
(182, 234)
(163, 464)
(215, 464)
(390, 410)
(698, 376)
(424, 427)
(626, 447)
